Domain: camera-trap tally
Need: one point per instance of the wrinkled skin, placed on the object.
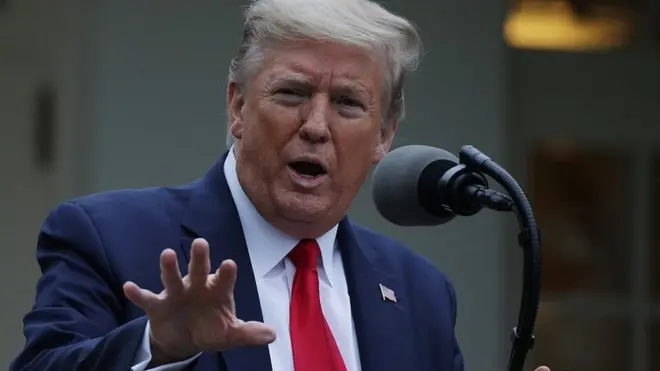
(318, 100)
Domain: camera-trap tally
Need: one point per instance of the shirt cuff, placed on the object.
(143, 357)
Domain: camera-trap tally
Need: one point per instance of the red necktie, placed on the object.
(314, 347)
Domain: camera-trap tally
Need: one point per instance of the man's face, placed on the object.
(309, 127)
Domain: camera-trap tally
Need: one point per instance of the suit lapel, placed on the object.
(212, 214)
(382, 327)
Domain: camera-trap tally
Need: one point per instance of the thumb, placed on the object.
(254, 333)
(543, 368)
(144, 299)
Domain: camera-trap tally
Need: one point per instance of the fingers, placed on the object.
(225, 279)
(200, 265)
(170, 274)
(144, 299)
(254, 333)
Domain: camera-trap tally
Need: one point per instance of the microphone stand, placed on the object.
(522, 336)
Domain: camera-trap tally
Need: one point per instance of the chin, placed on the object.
(303, 208)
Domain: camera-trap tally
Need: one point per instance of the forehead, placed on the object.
(324, 63)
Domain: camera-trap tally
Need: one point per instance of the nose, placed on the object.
(315, 128)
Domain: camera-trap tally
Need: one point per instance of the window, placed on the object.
(654, 263)
(599, 257)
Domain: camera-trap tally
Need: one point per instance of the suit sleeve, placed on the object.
(77, 321)
(458, 356)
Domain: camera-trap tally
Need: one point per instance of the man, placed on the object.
(259, 267)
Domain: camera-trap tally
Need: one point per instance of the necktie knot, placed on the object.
(306, 254)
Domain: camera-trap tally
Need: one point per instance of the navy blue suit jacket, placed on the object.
(89, 247)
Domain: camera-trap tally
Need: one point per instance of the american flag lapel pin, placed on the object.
(387, 293)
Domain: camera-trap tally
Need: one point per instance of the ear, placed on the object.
(387, 133)
(235, 104)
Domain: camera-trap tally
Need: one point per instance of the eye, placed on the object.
(349, 103)
(289, 97)
(290, 92)
(345, 101)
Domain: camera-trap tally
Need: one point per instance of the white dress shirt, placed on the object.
(274, 272)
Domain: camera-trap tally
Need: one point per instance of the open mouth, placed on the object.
(308, 169)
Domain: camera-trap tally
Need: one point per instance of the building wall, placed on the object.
(147, 103)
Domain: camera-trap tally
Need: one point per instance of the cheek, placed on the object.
(268, 130)
(357, 138)
(274, 122)
(355, 152)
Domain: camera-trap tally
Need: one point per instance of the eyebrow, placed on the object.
(351, 86)
(344, 85)
(289, 77)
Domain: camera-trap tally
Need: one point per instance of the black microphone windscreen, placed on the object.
(396, 185)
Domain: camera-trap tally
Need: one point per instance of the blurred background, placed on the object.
(98, 95)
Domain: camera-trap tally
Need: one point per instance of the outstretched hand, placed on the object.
(195, 313)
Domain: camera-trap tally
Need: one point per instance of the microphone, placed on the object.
(418, 185)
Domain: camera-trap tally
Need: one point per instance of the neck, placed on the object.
(300, 229)
(312, 230)
(279, 217)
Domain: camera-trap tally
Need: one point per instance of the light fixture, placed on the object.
(553, 25)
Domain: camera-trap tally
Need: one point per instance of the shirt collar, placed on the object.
(267, 245)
